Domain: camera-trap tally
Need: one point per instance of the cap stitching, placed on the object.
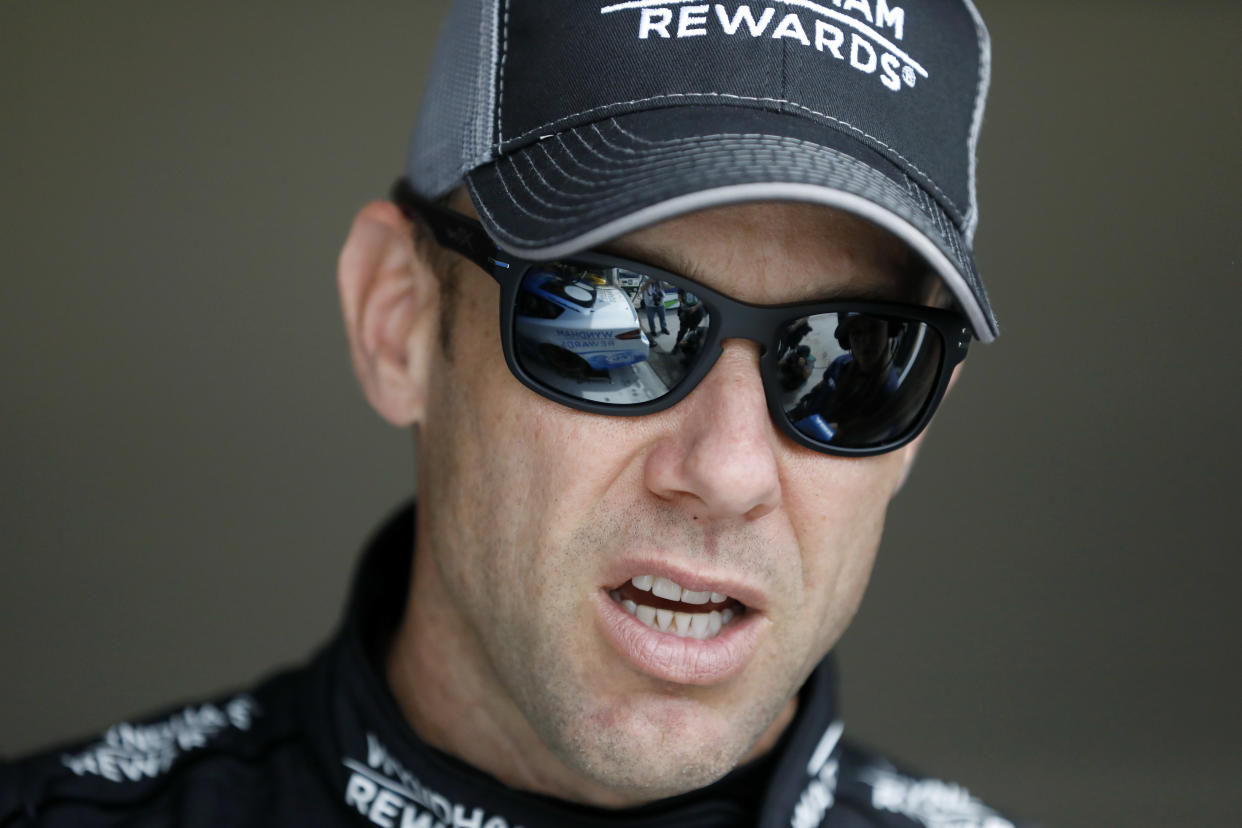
(478, 134)
(552, 160)
(560, 139)
(731, 96)
(593, 151)
(920, 196)
(976, 123)
(920, 216)
(504, 58)
(529, 189)
(680, 161)
(922, 174)
(780, 140)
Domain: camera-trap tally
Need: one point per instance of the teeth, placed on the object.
(699, 624)
(682, 620)
(664, 588)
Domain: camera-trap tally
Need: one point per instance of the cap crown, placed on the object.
(907, 78)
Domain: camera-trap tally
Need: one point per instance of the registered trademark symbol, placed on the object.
(907, 74)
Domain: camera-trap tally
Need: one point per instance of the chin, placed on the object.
(643, 748)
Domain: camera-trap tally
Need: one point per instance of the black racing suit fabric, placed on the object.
(326, 745)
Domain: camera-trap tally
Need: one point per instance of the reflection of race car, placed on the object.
(572, 323)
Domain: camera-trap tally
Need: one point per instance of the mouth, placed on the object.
(677, 627)
(666, 606)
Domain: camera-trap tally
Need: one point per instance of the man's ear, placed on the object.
(390, 297)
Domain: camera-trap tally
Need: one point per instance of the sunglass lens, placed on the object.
(606, 335)
(858, 381)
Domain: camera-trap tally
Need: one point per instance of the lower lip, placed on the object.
(681, 660)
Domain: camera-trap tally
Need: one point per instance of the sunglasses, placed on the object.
(609, 335)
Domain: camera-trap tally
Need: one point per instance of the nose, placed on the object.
(718, 456)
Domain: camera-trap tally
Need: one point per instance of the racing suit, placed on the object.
(326, 745)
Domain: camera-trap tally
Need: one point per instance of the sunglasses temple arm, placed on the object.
(456, 232)
(466, 237)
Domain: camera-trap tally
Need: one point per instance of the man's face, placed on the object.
(531, 514)
(869, 343)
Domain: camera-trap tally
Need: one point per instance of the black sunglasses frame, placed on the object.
(728, 319)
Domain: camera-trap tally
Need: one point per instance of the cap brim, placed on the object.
(582, 187)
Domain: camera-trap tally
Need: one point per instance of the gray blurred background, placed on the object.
(187, 469)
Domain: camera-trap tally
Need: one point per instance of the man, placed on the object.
(615, 602)
(861, 382)
(653, 302)
(689, 314)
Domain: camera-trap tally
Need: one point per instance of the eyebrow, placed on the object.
(672, 261)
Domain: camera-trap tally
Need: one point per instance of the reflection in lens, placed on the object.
(856, 380)
(606, 334)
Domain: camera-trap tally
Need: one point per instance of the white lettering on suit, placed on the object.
(389, 795)
(130, 753)
(930, 802)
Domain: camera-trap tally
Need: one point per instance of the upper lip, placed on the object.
(697, 577)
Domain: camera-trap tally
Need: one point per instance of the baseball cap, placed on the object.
(572, 122)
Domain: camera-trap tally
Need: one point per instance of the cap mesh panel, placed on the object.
(453, 133)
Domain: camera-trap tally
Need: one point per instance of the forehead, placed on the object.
(774, 252)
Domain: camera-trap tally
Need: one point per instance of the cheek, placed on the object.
(505, 472)
(837, 505)
(838, 516)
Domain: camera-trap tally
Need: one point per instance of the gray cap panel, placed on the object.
(453, 133)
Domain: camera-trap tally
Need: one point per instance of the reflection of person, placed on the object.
(797, 332)
(867, 366)
(691, 343)
(795, 367)
(653, 301)
(859, 380)
(535, 646)
(689, 314)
